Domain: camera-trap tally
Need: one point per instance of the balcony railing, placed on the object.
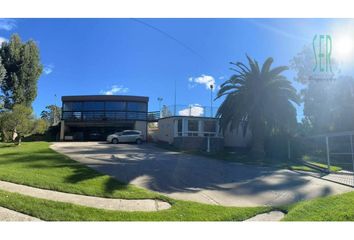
(103, 116)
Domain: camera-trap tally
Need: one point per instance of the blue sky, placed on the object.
(146, 56)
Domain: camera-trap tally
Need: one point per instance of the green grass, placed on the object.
(302, 168)
(181, 211)
(332, 208)
(35, 164)
(314, 161)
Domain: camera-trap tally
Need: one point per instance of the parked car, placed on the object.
(127, 136)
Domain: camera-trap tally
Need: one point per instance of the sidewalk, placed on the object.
(146, 205)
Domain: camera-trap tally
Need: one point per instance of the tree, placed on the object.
(261, 99)
(2, 76)
(52, 114)
(6, 135)
(19, 122)
(40, 126)
(327, 104)
(23, 67)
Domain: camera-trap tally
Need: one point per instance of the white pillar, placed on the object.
(175, 127)
(200, 128)
(184, 127)
(328, 158)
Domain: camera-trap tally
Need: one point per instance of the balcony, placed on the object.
(84, 116)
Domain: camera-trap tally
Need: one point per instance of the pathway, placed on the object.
(145, 205)
(10, 215)
(272, 216)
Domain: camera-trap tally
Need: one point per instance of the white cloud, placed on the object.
(205, 80)
(48, 69)
(195, 110)
(7, 24)
(2, 39)
(114, 90)
(221, 77)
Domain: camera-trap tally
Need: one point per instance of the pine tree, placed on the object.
(23, 67)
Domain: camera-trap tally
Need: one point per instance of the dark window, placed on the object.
(115, 106)
(136, 115)
(193, 125)
(72, 106)
(92, 116)
(115, 115)
(75, 116)
(93, 106)
(179, 125)
(136, 106)
(131, 133)
(209, 126)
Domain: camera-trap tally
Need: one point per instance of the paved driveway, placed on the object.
(196, 178)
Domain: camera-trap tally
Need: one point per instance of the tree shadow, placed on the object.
(42, 162)
(172, 172)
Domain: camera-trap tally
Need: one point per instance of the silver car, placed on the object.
(127, 136)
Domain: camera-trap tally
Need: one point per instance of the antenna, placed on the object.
(211, 100)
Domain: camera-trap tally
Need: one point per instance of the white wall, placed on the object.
(166, 130)
(141, 126)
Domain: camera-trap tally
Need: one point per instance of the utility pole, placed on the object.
(174, 107)
(211, 99)
(160, 100)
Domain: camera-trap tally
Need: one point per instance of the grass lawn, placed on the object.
(308, 169)
(180, 211)
(332, 208)
(35, 164)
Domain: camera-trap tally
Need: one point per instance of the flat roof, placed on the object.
(104, 98)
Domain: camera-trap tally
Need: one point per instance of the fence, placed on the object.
(188, 110)
(333, 152)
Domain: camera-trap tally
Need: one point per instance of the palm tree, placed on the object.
(262, 100)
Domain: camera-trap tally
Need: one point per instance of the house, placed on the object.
(199, 133)
(191, 133)
(93, 117)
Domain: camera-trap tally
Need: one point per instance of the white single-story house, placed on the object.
(195, 132)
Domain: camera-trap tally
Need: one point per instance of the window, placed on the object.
(115, 115)
(73, 116)
(72, 106)
(136, 106)
(179, 127)
(193, 127)
(92, 116)
(115, 106)
(136, 115)
(131, 133)
(209, 126)
(93, 106)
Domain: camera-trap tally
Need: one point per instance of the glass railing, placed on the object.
(104, 116)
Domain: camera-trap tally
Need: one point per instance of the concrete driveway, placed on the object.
(197, 178)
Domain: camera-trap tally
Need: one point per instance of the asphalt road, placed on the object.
(196, 178)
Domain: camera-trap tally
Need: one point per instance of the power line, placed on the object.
(182, 44)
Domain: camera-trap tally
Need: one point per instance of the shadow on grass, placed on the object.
(47, 161)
